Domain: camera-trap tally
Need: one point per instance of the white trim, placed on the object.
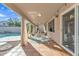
(76, 30)
(67, 10)
(66, 49)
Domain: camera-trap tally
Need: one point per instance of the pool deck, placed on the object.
(37, 49)
(16, 51)
(5, 49)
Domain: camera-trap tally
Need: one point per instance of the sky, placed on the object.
(6, 13)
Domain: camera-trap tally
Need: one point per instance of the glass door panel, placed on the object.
(68, 30)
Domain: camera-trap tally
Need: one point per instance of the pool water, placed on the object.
(9, 34)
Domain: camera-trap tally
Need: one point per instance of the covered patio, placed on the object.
(39, 41)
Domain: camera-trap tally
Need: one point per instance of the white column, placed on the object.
(24, 35)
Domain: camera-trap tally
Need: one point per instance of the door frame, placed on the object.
(61, 28)
(77, 31)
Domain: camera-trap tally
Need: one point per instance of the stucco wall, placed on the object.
(56, 35)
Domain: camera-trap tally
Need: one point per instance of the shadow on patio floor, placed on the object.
(53, 45)
(30, 50)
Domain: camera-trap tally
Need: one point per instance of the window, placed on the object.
(51, 26)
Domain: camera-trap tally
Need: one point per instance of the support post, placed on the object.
(24, 35)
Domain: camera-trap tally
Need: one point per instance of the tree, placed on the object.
(14, 22)
(10, 22)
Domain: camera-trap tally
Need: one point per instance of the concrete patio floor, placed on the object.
(33, 48)
(49, 49)
(37, 49)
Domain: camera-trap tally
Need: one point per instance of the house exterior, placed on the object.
(3, 24)
(63, 30)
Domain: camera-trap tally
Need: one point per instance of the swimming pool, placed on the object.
(10, 37)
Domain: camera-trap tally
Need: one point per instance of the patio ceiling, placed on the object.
(37, 13)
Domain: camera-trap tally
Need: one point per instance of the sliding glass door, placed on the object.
(70, 32)
(68, 25)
